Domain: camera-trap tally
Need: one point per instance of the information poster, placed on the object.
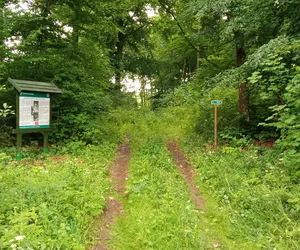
(34, 110)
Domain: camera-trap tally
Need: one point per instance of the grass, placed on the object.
(253, 192)
(159, 213)
(252, 203)
(50, 203)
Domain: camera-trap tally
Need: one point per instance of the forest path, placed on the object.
(188, 172)
(118, 175)
(114, 208)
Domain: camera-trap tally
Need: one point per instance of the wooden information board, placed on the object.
(33, 109)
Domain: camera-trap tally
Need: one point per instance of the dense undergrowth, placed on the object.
(49, 203)
(245, 53)
(252, 198)
(159, 212)
(251, 192)
(258, 202)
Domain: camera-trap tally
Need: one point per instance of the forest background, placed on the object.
(243, 52)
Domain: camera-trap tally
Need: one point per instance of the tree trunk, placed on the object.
(198, 58)
(244, 101)
(2, 36)
(143, 90)
(117, 56)
(243, 90)
(184, 71)
(75, 34)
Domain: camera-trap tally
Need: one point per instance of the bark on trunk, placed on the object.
(244, 101)
(117, 57)
(143, 90)
(243, 90)
(75, 34)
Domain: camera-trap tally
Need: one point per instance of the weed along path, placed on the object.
(114, 207)
(188, 172)
(160, 211)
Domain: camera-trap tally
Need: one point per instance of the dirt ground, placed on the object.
(118, 175)
(188, 172)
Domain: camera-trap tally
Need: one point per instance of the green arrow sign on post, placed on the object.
(216, 103)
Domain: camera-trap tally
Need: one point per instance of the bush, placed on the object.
(228, 117)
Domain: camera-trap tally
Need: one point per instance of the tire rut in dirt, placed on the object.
(188, 172)
(114, 208)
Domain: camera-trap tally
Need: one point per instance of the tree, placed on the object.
(56, 45)
(132, 25)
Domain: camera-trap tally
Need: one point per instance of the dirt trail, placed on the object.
(188, 172)
(114, 208)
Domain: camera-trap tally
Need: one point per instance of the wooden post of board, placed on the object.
(216, 103)
(19, 135)
(46, 149)
(216, 125)
(19, 147)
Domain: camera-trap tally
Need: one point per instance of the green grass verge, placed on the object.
(252, 202)
(50, 204)
(258, 203)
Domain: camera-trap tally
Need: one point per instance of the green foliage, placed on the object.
(190, 52)
(252, 199)
(5, 130)
(228, 118)
(276, 81)
(288, 122)
(254, 193)
(168, 123)
(49, 204)
(185, 95)
(65, 43)
(6, 111)
(158, 205)
(192, 114)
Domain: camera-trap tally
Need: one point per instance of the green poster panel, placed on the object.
(34, 110)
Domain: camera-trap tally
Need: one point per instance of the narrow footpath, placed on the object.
(147, 232)
(188, 172)
(114, 208)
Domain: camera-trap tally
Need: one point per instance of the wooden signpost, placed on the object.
(216, 103)
(33, 110)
